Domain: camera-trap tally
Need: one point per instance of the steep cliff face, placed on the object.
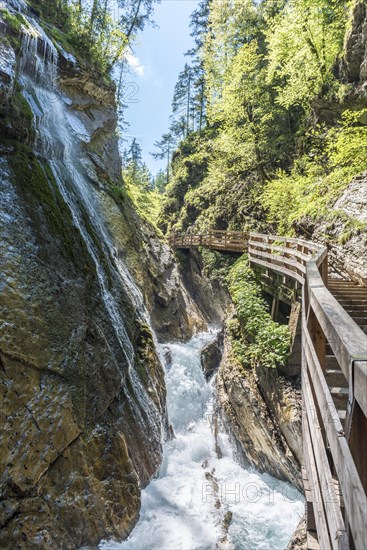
(82, 389)
(354, 63)
(173, 313)
(263, 412)
(347, 247)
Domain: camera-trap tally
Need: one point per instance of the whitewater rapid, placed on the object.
(198, 490)
(202, 498)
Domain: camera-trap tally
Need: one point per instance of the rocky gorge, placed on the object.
(83, 395)
(88, 288)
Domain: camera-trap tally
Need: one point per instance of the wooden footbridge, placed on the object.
(334, 380)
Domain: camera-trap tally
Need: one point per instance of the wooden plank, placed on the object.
(360, 384)
(357, 426)
(351, 486)
(286, 251)
(337, 530)
(346, 338)
(312, 542)
(278, 269)
(282, 260)
(319, 513)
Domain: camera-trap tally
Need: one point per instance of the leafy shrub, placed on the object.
(217, 265)
(256, 338)
(319, 178)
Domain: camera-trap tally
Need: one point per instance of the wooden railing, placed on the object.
(232, 241)
(334, 456)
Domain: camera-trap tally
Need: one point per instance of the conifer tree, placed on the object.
(165, 148)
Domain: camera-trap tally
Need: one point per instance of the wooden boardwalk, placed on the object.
(334, 381)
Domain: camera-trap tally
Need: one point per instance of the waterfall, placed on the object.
(60, 134)
(202, 498)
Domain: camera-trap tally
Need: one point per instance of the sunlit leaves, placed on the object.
(303, 42)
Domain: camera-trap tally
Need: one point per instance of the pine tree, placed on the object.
(165, 146)
(135, 171)
(199, 27)
(182, 98)
(160, 181)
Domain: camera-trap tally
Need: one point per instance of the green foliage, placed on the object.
(217, 265)
(139, 183)
(88, 28)
(85, 29)
(14, 21)
(147, 202)
(256, 338)
(303, 41)
(320, 177)
(284, 135)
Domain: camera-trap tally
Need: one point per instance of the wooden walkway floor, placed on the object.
(334, 380)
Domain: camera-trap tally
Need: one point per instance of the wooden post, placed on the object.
(318, 338)
(274, 308)
(324, 271)
(358, 442)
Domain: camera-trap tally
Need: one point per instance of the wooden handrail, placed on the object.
(324, 322)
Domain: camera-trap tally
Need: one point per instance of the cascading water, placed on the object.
(203, 499)
(189, 505)
(59, 135)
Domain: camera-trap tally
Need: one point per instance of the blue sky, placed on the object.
(158, 58)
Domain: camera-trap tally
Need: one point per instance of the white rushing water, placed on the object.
(186, 506)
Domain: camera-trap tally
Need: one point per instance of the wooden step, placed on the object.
(350, 300)
(344, 287)
(337, 281)
(355, 308)
(340, 397)
(349, 292)
(330, 361)
(361, 321)
(357, 303)
(335, 378)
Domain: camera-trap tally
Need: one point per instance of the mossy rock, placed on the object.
(16, 118)
(35, 179)
(13, 21)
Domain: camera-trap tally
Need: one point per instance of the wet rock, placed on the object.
(167, 354)
(81, 426)
(211, 355)
(299, 538)
(257, 429)
(7, 70)
(173, 309)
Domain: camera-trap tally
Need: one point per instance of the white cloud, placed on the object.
(135, 64)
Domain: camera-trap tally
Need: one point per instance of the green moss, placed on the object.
(14, 22)
(34, 177)
(21, 107)
(60, 38)
(144, 356)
